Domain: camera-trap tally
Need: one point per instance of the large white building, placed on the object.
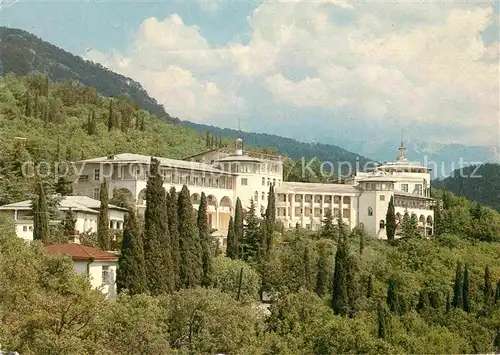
(225, 176)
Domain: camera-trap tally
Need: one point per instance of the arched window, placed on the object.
(370, 211)
(381, 224)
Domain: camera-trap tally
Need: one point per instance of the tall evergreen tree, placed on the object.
(27, 107)
(69, 223)
(322, 269)
(270, 217)
(340, 297)
(103, 231)
(306, 260)
(205, 240)
(173, 228)
(157, 246)
(392, 297)
(231, 244)
(465, 291)
(497, 292)
(489, 291)
(448, 301)
(328, 229)
(191, 266)
(111, 123)
(383, 318)
(423, 301)
(341, 228)
(458, 288)
(40, 211)
(409, 226)
(369, 287)
(496, 341)
(207, 140)
(252, 236)
(131, 275)
(36, 106)
(390, 220)
(238, 227)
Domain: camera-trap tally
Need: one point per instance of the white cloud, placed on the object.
(410, 64)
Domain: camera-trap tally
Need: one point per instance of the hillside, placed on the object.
(480, 183)
(22, 53)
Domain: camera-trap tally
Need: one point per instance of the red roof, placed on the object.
(80, 252)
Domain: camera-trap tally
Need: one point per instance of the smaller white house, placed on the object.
(85, 209)
(100, 266)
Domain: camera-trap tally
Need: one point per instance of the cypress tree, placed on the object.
(390, 220)
(458, 288)
(497, 292)
(231, 245)
(157, 246)
(448, 302)
(465, 291)
(361, 242)
(207, 140)
(496, 341)
(191, 266)
(103, 222)
(212, 143)
(328, 229)
(489, 292)
(37, 104)
(131, 274)
(341, 228)
(322, 273)
(173, 228)
(205, 240)
(40, 214)
(270, 217)
(392, 297)
(307, 268)
(423, 301)
(27, 108)
(238, 227)
(110, 116)
(414, 225)
(340, 298)
(383, 317)
(369, 287)
(69, 223)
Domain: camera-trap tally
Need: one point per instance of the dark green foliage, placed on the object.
(390, 220)
(41, 216)
(322, 275)
(496, 341)
(63, 186)
(497, 292)
(340, 297)
(383, 321)
(369, 287)
(131, 275)
(489, 291)
(91, 123)
(69, 223)
(409, 226)
(157, 246)
(232, 245)
(103, 222)
(252, 238)
(205, 240)
(270, 218)
(392, 297)
(458, 288)
(191, 265)
(121, 199)
(465, 291)
(27, 110)
(173, 228)
(111, 116)
(448, 301)
(328, 229)
(423, 301)
(238, 227)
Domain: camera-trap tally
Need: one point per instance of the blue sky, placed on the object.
(330, 71)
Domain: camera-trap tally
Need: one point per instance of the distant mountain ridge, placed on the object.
(23, 54)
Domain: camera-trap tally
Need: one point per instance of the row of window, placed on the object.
(346, 200)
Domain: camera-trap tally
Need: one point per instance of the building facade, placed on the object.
(362, 200)
(84, 208)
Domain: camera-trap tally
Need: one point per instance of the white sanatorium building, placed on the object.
(362, 200)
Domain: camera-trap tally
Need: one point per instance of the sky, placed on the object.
(329, 71)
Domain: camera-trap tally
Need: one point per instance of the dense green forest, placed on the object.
(479, 183)
(22, 53)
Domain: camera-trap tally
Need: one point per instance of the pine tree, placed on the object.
(231, 244)
(392, 297)
(270, 218)
(103, 231)
(252, 236)
(458, 288)
(489, 292)
(383, 318)
(205, 240)
(238, 228)
(191, 266)
(465, 292)
(497, 292)
(157, 246)
(69, 223)
(207, 140)
(40, 214)
(390, 220)
(322, 270)
(111, 123)
(340, 297)
(328, 229)
(131, 275)
(173, 228)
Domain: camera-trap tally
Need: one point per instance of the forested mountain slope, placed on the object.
(22, 53)
(480, 183)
